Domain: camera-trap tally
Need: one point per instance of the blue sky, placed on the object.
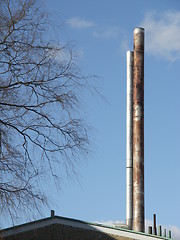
(103, 32)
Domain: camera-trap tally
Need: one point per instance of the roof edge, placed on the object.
(77, 224)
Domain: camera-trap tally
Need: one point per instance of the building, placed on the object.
(61, 228)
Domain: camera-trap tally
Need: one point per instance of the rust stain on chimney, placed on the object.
(138, 131)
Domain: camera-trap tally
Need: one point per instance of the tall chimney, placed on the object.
(138, 131)
(129, 140)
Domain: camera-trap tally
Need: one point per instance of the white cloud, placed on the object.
(65, 55)
(105, 32)
(147, 224)
(163, 34)
(108, 32)
(79, 23)
(124, 45)
(175, 232)
(110, 222)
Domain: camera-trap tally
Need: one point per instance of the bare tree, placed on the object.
(40, 88)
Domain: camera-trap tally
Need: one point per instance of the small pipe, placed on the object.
(154, 225)
(164, 235)
(169, 234)
(52, 213)
(160, 231)
(150, 229)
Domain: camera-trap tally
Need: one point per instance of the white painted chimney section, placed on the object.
(129, 141)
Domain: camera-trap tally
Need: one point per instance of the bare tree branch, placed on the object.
(40, 87)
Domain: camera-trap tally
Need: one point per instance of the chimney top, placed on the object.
(138, 30)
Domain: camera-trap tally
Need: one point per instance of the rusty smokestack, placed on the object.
(138, 131)
(129, 140)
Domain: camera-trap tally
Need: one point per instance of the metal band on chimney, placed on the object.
(138, 131)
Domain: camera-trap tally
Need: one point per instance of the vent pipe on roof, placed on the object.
(160, 230)
(154, 225)
(129, 140)
(52, 213)
(169, 234)
(164, 235)
(138, 131)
